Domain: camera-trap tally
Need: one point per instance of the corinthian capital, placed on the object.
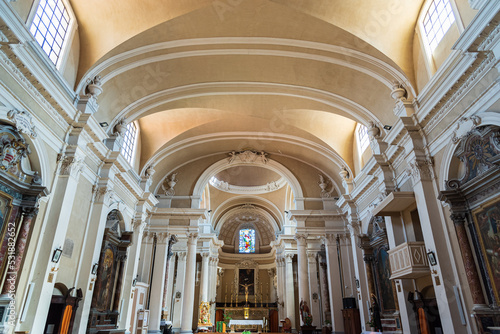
(192, 238)
(330, 239)
(301, 239)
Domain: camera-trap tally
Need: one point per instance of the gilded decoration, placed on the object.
(204, 314)
(477, 152)
(13, 151)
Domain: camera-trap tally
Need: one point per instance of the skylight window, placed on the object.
(129, 141)
(364, 141)
(437, 21)
(50, 27)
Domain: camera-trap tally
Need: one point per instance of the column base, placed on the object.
(186, 332)
(153, 331)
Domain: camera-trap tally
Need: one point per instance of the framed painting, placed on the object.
(487, 223)
(382, 278)
(246, 278)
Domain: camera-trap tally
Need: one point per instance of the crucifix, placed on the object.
(246, 291)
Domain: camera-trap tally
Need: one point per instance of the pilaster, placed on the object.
(179, 290)
(290, 300)
(188, 303)
(302, 270)
(53, 235)
(158, 282)
(433, 228)
(334, 282)
(314, 288)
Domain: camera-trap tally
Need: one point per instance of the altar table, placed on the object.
(246, 324)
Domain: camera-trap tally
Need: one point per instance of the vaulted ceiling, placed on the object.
(206, 77)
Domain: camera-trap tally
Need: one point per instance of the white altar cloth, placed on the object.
(246, 322)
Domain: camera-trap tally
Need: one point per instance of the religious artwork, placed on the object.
(479, 152)
(247, 241)
(204, 314)
(246, 282)
(487, 222)
(13, 149)
(305, 313)
(384, 284)
(105, 279)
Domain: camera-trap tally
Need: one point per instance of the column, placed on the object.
(22, 237)
(139, 224)
(325, 294)
(302, 271)
(179, 291)
(290, 300)
(188, 303)
(314, 288)
(167, 299)
(468, 259)
(281, 286)
(214, 261)
(205, 268)
(119, 282)
(146, 257)
(158, 282)
(334, 282)
(361, 292)
(272, 289)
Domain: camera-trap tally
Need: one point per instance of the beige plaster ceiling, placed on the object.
(370, 21)
(289, 77)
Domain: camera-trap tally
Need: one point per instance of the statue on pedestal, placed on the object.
(305, 313)
(204, 315)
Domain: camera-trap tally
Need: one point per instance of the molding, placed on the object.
(32, 90)
(389, 73)
(480, 22)
(143, 105)
(458, 91)
(269, 164)
(250, 190)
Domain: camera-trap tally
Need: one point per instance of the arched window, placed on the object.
(437, 20)
(50, 27)
(247, 240)
(129, 140)
(363, 140)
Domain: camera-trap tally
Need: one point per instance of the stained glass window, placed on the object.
(247, 241)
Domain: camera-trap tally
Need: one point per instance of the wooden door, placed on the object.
(219, 316)
(274, 322)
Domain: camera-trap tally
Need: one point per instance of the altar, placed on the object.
(246, 324)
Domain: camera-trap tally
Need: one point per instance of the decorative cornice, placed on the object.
(268, 187)
(468, 80)
(30, 87)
